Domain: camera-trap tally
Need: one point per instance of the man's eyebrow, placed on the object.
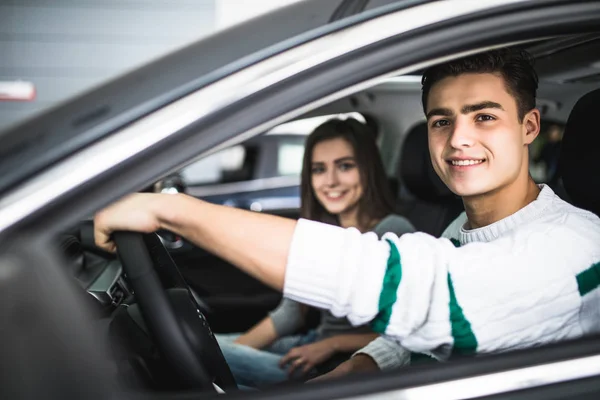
(469, 108)
(444, 112)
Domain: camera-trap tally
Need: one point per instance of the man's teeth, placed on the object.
(466, 162)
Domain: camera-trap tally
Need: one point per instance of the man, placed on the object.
(518, 270)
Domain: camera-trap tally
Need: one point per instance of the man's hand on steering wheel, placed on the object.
(134, 212)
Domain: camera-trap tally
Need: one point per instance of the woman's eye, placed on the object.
(440, 123)
(346, 166)
(485, 117)
(317, 170)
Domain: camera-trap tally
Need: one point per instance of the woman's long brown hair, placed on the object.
(377, 200)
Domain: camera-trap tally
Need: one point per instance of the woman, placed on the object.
(343, 183)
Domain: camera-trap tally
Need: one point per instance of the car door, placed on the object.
(48, 327)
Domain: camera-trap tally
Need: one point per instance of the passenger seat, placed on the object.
(432, 206)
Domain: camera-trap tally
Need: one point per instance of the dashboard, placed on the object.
(109, 287)
(98, 272)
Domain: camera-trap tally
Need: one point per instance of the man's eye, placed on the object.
(440, 122)
(485, 117)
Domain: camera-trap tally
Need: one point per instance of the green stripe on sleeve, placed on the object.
(464, 338)
(589, 279)
(388, 296)
(465, 341)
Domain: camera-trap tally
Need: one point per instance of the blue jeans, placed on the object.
(254, 368)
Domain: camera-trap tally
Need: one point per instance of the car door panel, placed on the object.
(236, 300)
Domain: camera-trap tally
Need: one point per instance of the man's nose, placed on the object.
(463, 135)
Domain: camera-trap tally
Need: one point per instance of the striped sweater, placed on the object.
(288, 318)
(529, 279)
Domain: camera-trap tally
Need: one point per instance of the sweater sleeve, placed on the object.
(386, 353)
(432, 297)
(287, 317)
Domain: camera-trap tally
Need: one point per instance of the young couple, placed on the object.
(509, 273)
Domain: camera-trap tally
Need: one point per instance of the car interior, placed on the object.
(420, 195)
(232, 301)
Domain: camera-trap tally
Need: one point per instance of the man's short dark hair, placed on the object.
(515, 66)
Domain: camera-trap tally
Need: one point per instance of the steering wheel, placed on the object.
(173, 317)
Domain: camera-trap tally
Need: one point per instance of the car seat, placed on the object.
(432, 206)
(578, 161)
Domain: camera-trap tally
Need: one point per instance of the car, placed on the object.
(79, 323)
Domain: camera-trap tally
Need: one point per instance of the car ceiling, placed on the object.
(568, 67)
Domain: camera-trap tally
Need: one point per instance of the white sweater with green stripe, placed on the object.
(529, 279)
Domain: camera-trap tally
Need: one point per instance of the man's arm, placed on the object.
(385, 353)
(423, 292)
(435, 298)
(381, 354)
(257, 243)
(360, 363)
(327, 266)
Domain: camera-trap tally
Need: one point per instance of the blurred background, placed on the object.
(51, 50)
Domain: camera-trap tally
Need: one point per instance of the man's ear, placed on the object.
(531, 125)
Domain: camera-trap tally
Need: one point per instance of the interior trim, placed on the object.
(499, 382)
(252, 185)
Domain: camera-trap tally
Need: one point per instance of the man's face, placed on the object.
(477, 144)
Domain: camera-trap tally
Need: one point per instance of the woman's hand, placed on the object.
(304, 358)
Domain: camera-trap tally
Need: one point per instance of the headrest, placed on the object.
(578, 161)
(416, 169)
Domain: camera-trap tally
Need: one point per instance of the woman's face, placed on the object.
(335, 176)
